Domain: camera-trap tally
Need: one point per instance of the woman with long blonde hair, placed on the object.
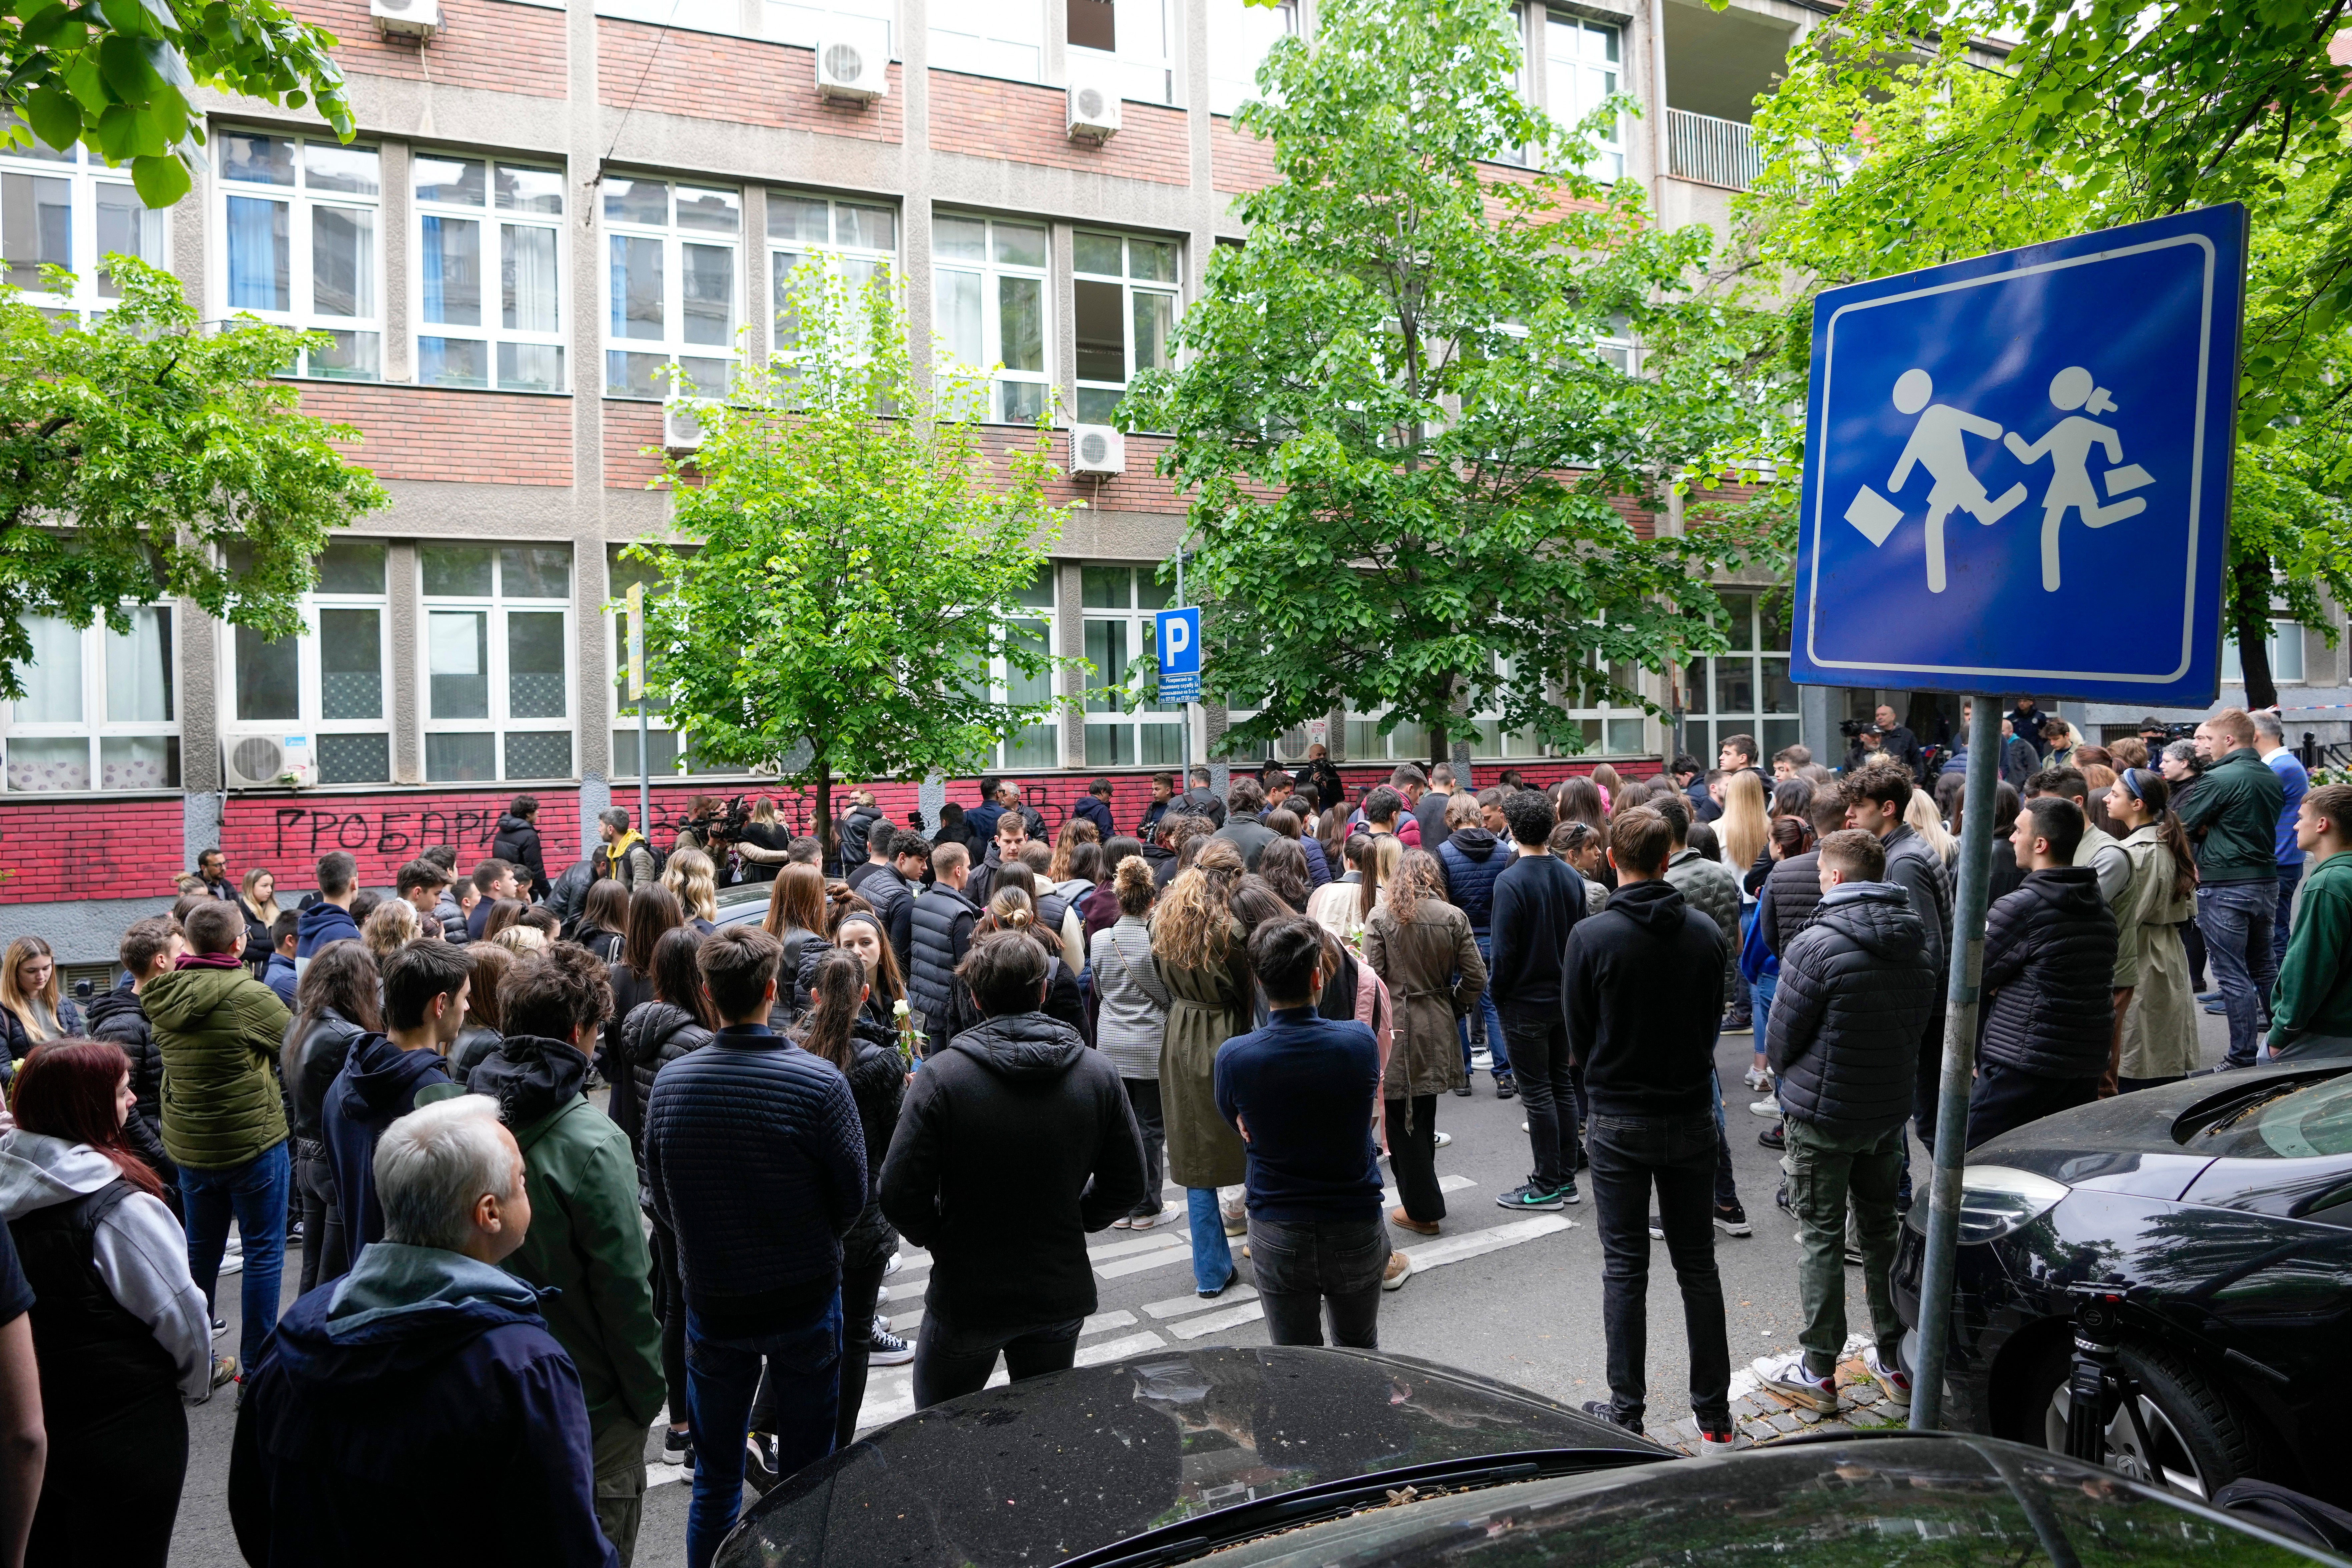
(391, 926)
(28, 989)
(1925, 820)
(1423, 949)
(691, 876)
(1196, 951)
(257, 902)
(1745, 827)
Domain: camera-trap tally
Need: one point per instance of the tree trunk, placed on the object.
(826, 847)
(2250, 619)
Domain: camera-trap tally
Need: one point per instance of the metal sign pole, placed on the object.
(637, 696)
(1960, 1064)
(1184, 780)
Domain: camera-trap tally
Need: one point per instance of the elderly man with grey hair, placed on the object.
(418, 1405)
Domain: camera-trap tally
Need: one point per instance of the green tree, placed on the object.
(1410, 448)
(135, 450)
(1891, 145)
(840, 579)
(118, 76)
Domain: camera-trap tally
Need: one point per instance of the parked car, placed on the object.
(1301, 1458)
(2223, 1205)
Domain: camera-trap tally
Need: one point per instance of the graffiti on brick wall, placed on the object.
(311, 831)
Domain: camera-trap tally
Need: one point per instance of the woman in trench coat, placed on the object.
(1196, 946)
(1421, 946)
(2158, 1043)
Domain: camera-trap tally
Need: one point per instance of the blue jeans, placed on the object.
(1213, 1256)
(255, 1193)
(2289, 878)
(721, 1378)
(2236, 918)
(1494, 1042)
(1761, 992)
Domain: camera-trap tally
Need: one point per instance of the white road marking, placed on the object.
(1217, 1322)
(1494, 1238)
(1140, 1243)
(1159, 1258)
(1183, 1306)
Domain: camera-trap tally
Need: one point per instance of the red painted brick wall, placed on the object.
(744, 80)
(88, 848)
(482, 44)
(1237, 160)
(629, 428)
(288, 833)
(433, 433)
(986, 118)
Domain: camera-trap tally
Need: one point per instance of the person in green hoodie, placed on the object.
(2311, 1010)
(219, 1031)
(586, 1240)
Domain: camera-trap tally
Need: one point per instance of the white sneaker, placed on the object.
(1770, 1109)
(1524, 1127)
(1443, 1139)
(1393, 1276)
(1786, 1374)
(1758, 1079)
(892, 1267)
(1893, 1380)
(1146, 1221)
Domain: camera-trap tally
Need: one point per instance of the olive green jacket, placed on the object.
(219, 1032)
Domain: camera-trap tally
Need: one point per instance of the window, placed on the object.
(489, 239)
(299, 243)
(1608, 729)
(1745, 690)
(331, 679)
(671, 752)
(1118, 605)
(2285, 646)
(1239, 35)
(1122, 44)
(98, 709)
(1035, 745)
(990, 37)
(1408, 743)
(669, 285)
(858, 240)
(1125, 298)
(498, 641)
(809, 22)
(1581, 68)
(66, 208)
(990, 282)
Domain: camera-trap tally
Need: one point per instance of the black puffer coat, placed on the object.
(877, 1081)
(2049, 954)
(942, 920)
(1855, 993)
(653, 1036)
(517, 843)
(118, 1016)
(1788, 898)
(1472, 859)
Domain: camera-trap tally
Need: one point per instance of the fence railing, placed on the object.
(1713, 151)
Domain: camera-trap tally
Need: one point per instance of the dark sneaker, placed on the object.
(1733, 1221)
(1532, 1198)
(1506, 1086)
(1600, 1411)
(1463, 1090)
(1711, 1442)
(677, 1449)
(1568, 1195)
(1772, 1138)
(1780, 1199)
(760, 1461)
(887, 1349)
(220, 1327)
(1657, 1229)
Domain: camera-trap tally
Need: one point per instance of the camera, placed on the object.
(1852, 729)
(84, 990)
(723, 826)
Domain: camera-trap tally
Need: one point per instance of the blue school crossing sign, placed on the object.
(2016, 470)
(1180, 655)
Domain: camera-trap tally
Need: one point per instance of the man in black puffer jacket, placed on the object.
(943, 919)
(1875, 799)
(1015, 1142)
(148, 948)
(518, 844)
(2050, 948)
(1855, 991)
(1472, 858)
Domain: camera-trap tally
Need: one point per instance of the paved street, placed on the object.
(1516, 1297)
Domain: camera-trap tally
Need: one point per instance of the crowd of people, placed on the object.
(990, 1045)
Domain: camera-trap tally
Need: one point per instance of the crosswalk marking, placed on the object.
(1217, 1323)
(1159, 1258)
(1445, 1184)
(1494, 1238)
(1182, 1306)
(1140, 1243)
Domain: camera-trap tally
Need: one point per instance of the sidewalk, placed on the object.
(1764, 1416)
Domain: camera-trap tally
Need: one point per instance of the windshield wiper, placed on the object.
(1226, 1527)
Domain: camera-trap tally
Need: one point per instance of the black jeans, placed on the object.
(1412, 1156)
(950, 1361)
(669, 1306)
(1303, 1265)
(2006, 1098)
(860, 1289)
(1143, 1095)
(323, 1257)
(1538, 1037)
(1675, 1154)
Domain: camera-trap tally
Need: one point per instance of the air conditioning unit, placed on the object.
(270, 759)
(1097, 450)
(417, 19)
(852, 59)
(1094, 111)
(682, 422)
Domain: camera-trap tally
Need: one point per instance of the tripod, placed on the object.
(2099, 1382)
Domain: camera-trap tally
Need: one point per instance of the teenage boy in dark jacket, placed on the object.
(1854, 990)
(1300, 1092)
(2311, 1010)
(1015, 1142)
(1643, 982)
(1875, 799)
(425, 984)
(328, 920)
(1473, 860)
(148, 948)
(940, 922)
(756, 1163)
(1538, 900)
(2232, 819)
(2050, 950)
(517, 843)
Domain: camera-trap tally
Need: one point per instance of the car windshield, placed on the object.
(2297, 1123)
(1898, 1501)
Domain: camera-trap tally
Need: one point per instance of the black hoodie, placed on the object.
(1856, 989)
(118, 1016)
(378, 1086)
(2049, 954)
(1015, 1141)
(1643, 989)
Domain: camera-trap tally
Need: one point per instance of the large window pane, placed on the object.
(352, 566)
(535, 572)
(1738, 609)
(1106, 651)
(260, 269)
(1734, 685)
(451, 270)
(1155, 323)
(255, 159)
(350, 170)
(959, 316)
(636, 287)
(453, 362)
(343, 261)
(460, 759)
(1105, 587)
(709, 294)
(53, 683)
(351, 664)
(535, 660)
(715, 211)
(1101, 330)
(527, 278)
(1021, 302)
(139, 669)
(268, 678)
(355, 759)
(139, 761)
(635, 201)
(539, 754)
(1111, 745)
(458, 658)
(959, 239)
(460, 182)
(530, 190)
(1779, 691)
(455, 570)
(37, 766)
(35, 226)
(532, 367)
(633, 375)
(126, 227)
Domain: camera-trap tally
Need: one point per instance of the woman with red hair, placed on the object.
(119, 1330)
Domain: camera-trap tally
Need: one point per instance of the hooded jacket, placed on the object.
(1472, 859)
(118, 1016)
(312, 1062)
(517, 843)
(277, 974)
(1643, 998)
(1855, 993)
(378, 1086)
(141, 1257)
(653, 1036)
(317, 926)
(1791, 892)
(942, 921)
(219, 1032)
(855, 829)
(1016, 1141)
(2050, 950)
(2313, 995)
(878, 1082)
(586, 1246)
(417, 1363)
(1091, 808)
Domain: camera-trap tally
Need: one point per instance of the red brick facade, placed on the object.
(1238, 161)
(629, 428)
(486, 44)
(286, 833)
(84, 849)
(745, 82)
(984, 118)
(434, 433)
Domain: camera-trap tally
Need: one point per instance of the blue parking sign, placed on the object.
(2017, 472)
(1180, 655)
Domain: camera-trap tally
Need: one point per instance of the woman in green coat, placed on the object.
(2158, 1042)
(1421, 946)
(1196, 946)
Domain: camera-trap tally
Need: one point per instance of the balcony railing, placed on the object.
(1713, 151)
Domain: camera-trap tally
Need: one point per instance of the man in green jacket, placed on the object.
(2311, 1010)
(219, 1032)
(2232, 819)
(586, 1237)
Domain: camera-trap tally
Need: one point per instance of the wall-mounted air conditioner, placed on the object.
(852, 59)
(418, 19)
(682, 422)
(268, 758)
(1094, 111)
(1097, 450)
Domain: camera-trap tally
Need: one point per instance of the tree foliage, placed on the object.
(1410, 454)
(135, 451)
(120, 76)
(1892, 144)
(839, 579)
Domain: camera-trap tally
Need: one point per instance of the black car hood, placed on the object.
(1039, 1471)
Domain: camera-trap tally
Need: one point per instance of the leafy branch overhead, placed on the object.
(1411, 420)
(118, 76)
(137, 451)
